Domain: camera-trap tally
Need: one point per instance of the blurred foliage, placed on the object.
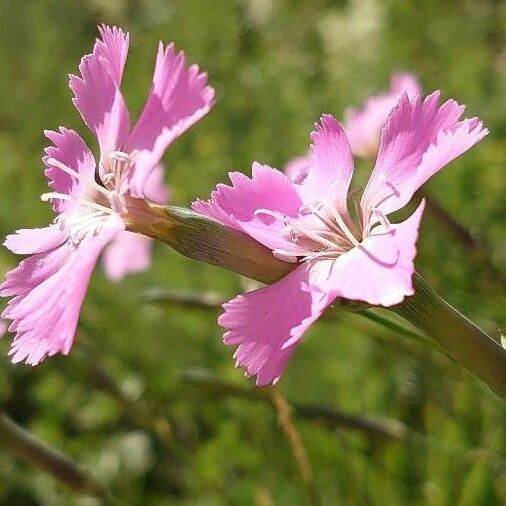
(276, 65)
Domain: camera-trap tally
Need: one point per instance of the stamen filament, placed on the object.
(315, 236)
(343, 226)
(71, 172)
(63, 196)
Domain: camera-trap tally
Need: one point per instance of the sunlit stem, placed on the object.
(469, 345)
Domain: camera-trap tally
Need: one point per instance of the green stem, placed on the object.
(200, 238)
(470, 346)
(376, 428)
(39, 454)
(400, 329)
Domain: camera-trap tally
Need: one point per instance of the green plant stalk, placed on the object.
(39, 454)
(206, 240)
(469, 345)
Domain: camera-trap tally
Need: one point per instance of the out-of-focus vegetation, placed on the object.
(122, 404)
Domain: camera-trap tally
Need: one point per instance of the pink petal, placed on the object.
(379, 271)
(3, 328)
(330, 164)
(419, 139)
(69, 149)
(126, 254)
(237, 205)
(179, 97)
(96, 92)
(32, 271)
(297, 169)
(112, 48)
(268, 323)
(404, 83)
(363, 126)
(155, 188)
(50, 289)
(28, 241)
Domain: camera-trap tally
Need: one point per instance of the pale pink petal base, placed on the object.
(297, 169)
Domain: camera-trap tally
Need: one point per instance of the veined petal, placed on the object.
(97, 96)
(179, 97)
(126, 254)
(363, 126)
(297, 169)
(32, 271)
(50, 289)
(330, 164)
(379, 271)
(267, 324)
(241, 205)
(28, 241)
(418, 140)
(112, 48)
(69, 149)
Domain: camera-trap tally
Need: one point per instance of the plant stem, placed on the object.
(382, 428)
(200, 238)
(400, 329)
(470, 346)
(292, 435)
(137, 411)
(39, 454)
(379, 428)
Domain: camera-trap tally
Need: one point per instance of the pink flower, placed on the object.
(91, 200)
(360, 255)
(363, 126)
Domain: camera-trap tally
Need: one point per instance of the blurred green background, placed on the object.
(137, 401)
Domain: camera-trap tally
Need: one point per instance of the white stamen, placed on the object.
(63, 196)
(83, 226)
(343, 226)
(116, 169)
(71, 172)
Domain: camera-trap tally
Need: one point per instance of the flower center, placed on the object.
(96, 202)
(321, 232)
(325, 229)
(115, 169)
